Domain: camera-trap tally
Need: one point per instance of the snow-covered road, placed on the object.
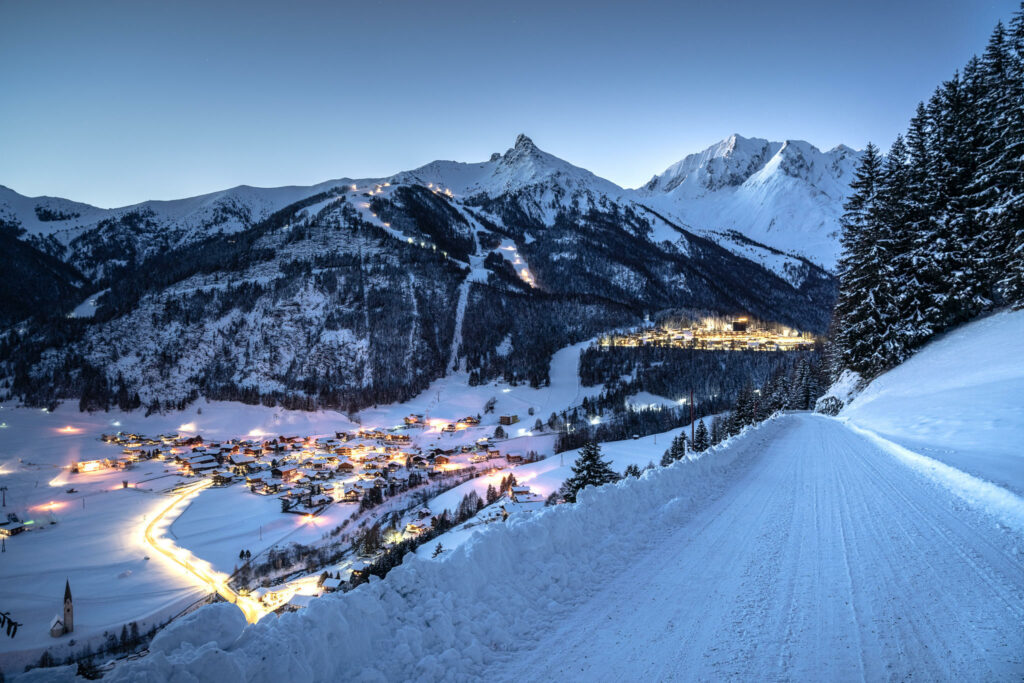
(826, 559)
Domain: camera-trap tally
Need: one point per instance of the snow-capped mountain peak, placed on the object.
(524, 167)
(787, 195)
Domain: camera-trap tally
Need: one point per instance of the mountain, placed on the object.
(101, 242)
(351, 293)
(786, 195)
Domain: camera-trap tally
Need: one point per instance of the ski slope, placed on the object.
(799, 550)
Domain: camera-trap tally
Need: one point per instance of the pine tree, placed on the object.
(701, 440)
(861, 269)
(588, 470)
(631, 471)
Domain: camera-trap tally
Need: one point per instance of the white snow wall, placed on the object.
(444, 619)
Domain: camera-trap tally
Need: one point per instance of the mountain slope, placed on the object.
(363, 292)
(787, 195)
(32, 281)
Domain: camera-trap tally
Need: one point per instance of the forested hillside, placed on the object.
(933, 233)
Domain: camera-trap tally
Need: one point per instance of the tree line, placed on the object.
(933, 231)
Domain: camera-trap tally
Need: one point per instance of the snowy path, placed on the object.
(826, 559)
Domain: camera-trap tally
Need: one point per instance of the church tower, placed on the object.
(69, 610)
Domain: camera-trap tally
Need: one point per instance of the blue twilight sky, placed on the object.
(117, 102)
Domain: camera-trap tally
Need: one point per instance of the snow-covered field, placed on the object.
(960, 400)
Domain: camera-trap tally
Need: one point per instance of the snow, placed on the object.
(523, 165)
(97, 543)
(451, 397)
(87, 308)
(786, 195)
(798, 550)
(220, 624)
(645, 399)
(957, 401)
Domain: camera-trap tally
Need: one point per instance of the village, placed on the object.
(362, 468)
(711, 334)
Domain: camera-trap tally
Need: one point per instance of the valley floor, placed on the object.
(827, 559)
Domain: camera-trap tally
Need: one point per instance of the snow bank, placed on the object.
(219, 624)
(839, 395)
(444, 619)
(996, 501)
(957, 401)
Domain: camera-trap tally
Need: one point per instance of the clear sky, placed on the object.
(113, 103)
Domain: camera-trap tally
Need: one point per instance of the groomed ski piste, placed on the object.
(808, 548)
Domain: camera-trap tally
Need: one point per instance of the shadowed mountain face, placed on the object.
(358, 292)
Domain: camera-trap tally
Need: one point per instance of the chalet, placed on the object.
(241, 461)
(414, 529)
(91, 465)
(514, 458)
(442, 460)
(352, 495)
(449, 429)
(507, 420)
(414, 419)
(360, 572)
(331, 585)
(223, 479)
(11, 528)
(493, 453)
(286, 474)
(346, 466)
(518, 491)
(470, 421)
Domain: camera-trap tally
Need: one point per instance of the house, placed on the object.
(11, 528)
(514, 458)
(415, 529)
(507, 420)
(470, 421)
(441, 460)
(223, 479)
(360, 572)
(331, 585)
(91, 465)
(286, 474)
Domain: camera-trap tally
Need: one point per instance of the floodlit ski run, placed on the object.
(800, 551)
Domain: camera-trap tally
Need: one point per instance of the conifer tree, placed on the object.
(701, 440)
(588, 470)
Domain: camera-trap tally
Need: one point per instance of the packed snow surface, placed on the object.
(958, 401)
(799, 550)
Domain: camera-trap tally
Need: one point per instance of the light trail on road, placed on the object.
(252, 609)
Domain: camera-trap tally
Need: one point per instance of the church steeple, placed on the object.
(69, 609)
